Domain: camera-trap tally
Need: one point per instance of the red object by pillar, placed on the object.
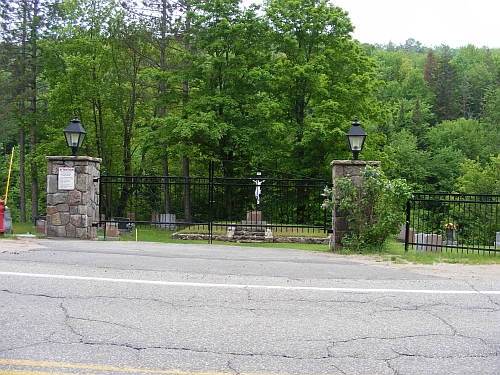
(2, 209)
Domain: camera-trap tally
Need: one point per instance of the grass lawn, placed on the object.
(151, 234)
(23, 228)
(395, 252)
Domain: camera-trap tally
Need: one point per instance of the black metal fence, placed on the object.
(214, 202)
(453, 222)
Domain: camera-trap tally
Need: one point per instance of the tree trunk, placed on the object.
(22, 112)
(166, 190)
(185, 98)
(33, 99)
(22, 175)
(161, 92)
(187, 189)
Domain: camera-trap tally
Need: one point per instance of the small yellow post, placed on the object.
(136, 234)
(8, 178)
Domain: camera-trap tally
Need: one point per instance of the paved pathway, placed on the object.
(74, 307)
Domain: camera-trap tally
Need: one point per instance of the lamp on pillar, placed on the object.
(75, 135)
(356, 139)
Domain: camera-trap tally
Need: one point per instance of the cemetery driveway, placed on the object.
(83, 307)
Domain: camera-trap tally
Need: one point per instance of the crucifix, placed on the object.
(258, 183)
(258, 189)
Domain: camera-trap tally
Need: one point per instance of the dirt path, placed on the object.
(452, 271)
(16, 246)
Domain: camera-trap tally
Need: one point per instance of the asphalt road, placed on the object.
(80, 307)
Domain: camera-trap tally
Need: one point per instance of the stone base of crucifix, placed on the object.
(254, 217)
(251, 230)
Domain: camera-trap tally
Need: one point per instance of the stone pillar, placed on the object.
(340, 169)
(72, 196)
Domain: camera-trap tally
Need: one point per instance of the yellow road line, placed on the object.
(81, 366)
(91, 367)
(24, 372)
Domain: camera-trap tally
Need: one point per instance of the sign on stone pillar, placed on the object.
(340, 169)
(72, 196)
(66, 178)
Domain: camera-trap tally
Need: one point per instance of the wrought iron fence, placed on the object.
(453, 222)
(214, 202)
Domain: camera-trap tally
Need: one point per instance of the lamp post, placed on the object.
(75, 135)
(356, 139)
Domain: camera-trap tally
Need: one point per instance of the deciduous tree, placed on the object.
(322, 79)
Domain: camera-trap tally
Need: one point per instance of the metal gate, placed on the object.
(453, 222)
(215, 202)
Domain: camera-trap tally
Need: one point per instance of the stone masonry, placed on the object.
(72, 213)
(340, 169)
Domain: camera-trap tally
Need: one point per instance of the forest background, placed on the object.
(164, 87)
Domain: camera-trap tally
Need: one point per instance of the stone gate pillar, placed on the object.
(340, 169)
(72, 196)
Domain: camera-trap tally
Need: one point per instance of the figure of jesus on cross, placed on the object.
(258, 191)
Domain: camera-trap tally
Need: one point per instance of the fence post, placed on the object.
(210, 200)
(407, 229)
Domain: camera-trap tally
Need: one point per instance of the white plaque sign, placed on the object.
(66, 178)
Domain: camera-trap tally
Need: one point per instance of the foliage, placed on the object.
(469, 137)
(476, 178)
(410, 163)
(165, 87)
(320, 80)
(374, 207)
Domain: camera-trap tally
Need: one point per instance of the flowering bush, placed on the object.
(375, 208)
(130, 226)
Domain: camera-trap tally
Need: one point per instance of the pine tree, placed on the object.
(21, 25)
(443, 82)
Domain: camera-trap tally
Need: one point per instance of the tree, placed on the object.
(477, 73)
(104, 69)
(129, 97)
(22, 21)
(467, 136)
(430, 68)
(410, 162)
(321, 80)
(229, 50)
(443, 170)
(477, 178)
(167, 24)
(444, 85)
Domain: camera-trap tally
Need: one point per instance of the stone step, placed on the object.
(245, 233)
(252, 241)
(251, 229)
(250, 236)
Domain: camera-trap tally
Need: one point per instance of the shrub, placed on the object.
(375, 207)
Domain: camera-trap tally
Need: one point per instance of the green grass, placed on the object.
(394, 252)
(23, 228)
(145, 234)
(282, 231)
(151, 234)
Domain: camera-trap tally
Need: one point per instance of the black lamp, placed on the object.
(75, 135)
(356, 139)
